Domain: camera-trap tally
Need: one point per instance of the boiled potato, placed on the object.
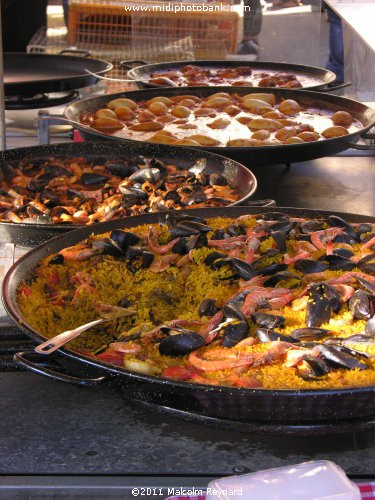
(265, 124)
(101, 113)
(158, 108)
(124, 113)
(219, 123)
(129, 103)
(289, 107)
(107, 123)
(180, 111)
(204, 140)
(342, 118)
(146, 126)
(256, 106)
(270, 98)
(336, 131)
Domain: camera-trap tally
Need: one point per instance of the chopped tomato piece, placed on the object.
(178, 373)
(112, 357)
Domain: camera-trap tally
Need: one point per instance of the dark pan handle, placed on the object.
(333, 87)
(260, 203)
(363, 147)
(83, 53)
(131, 64)
(29, 360)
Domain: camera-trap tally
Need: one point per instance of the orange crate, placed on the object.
(133, 25)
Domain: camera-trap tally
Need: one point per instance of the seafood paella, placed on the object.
(220, 120)
(267, 301)
(81, 191)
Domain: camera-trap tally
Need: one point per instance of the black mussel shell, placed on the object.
(142, 175)
(288, 280)
(364, 229)
(211, 257)
(274, 216)
(311, 226)
(271, 269)
(343, 238)
(235, 230)
(231, 311)
(280, 239)
(124, 239)
(366, 284)
(283, 226)
(368, 267)
(370, 327)
(196, 241)
(91, 179)
(336, 221)
(361, 305)
(269, 335)
(219, 234)
(268, 320)
(308, 266)
(334, 357)
(217, 179)
(56, 170)
(243, 269)
(180, 247)
(339, 263)
(318, 310)
(57, 259)
(120, 168)
(208, 307)
(309, 333)
(108, 247)
(187, 228)
(155, 163)
(312, 368)
(172, 195)
(234, 333)
(181, 344)
(343, 252)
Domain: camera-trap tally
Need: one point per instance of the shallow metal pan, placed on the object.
(143, 71)
(238, 176)
(30, 74)
(242, 405)
(254, 155)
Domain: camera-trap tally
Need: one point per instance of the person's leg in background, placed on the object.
(21, 19)
(335, 61)
(65, 4)
(252, 25)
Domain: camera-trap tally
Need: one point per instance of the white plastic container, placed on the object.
(316, 480)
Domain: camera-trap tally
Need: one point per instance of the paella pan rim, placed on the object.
(107, 149)
(72, 113)
(12, 279)
(326, 76)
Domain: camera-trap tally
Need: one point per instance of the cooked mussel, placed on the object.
(270, 335)
(309, 266)
(179, 342)
(361, 305)
(269, 321)
(312, 368)
(208, 307)
(309, 333)
(124, 239)
(91, 179)
(234, 332)
(336, 221)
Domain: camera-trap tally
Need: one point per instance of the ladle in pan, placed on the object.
(107, 313)
(161, 80)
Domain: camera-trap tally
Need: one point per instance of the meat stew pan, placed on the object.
(239, 404)
(29, 234)
(253, 155)
(323, 77)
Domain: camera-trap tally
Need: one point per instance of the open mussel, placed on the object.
(318, 309)
(361, 305)
(92, 179)
(283, 279)
(336, 221)
(309, 333)
(147, 174)
(124, 239)
(208, 307)
(270, 335)
(120, 168)
(339, 359)
(269, 321)
(312, 368)
(309, 266)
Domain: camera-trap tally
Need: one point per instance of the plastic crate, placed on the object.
(146, 30)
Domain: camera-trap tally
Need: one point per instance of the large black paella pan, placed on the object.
(249, 154)
(242, 404)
